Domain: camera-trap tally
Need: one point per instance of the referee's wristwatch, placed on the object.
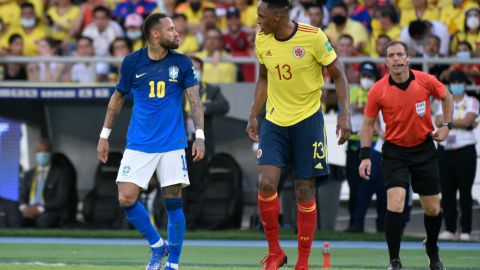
(449, 125)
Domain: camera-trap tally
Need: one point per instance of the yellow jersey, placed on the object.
(66, 21)
(295, 70)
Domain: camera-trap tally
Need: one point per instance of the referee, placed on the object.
(409, 152)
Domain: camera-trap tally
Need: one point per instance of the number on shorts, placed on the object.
(318, 150)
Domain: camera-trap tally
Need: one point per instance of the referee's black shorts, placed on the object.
(418, 164)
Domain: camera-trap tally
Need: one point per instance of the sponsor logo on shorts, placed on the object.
(421, 108)
(259, 153)
(126, 170)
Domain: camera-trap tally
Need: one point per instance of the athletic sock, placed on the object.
(269, 208)
(138, 216)
(307, 221)
(432, 227)
(176, 229)
(393, 233)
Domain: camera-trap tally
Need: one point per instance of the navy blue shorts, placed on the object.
(303, 144)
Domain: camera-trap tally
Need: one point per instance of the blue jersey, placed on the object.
(157, 87)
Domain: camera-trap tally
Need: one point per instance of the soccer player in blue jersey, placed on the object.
(156, 76)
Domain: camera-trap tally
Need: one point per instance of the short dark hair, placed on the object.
(180, 15)
(396, 42)
(280, 4)
(89, 39)
(347, 36)
(14, 37)
(434, 37)
(384, 36)
(124, 39)
(153, 20)
(27, 5)
(466, 43)
(102, 9)
(47, 143)
(196, 59)
(390, 12)
(340, 5)
(418, 28)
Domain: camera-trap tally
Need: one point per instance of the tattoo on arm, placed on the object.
(114, 107)
(196, 106)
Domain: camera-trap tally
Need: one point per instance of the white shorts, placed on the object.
(138, 167)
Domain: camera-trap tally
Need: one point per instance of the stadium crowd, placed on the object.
(221, 28)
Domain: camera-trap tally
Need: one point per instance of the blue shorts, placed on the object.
(303, 144)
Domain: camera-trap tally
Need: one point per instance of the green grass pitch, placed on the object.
(106, 257)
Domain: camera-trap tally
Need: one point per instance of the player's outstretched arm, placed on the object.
(447, 107)
(114, 107)
(366, 134)
(258, 101)
(344, 127)
(198, 147)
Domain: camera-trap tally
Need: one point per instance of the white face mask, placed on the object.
(134, 35)
(366, 83)
(473, 22)
(27, 23)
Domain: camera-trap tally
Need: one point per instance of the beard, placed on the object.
(169, 45)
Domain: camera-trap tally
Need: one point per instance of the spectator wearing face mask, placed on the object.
(30, 28)
(465, 52)
(457, 160)
(361, 191)
(133, 26)
(471, 34)
(453, 14)
(341, 24)
(44, 190)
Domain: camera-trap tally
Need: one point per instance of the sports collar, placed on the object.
(403, 85)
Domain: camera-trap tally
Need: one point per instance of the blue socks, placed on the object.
(138, 216)
(176, 229)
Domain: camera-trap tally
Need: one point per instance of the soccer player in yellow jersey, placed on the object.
(292, 57)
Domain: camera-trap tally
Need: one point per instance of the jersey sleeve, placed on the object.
(125, 76)
(258, 47)
(437, 89)
(372, 107)
(189, 78)
(323, 50)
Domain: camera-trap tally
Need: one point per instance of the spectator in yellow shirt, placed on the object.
(341, 24)
(12, 17)
(421, 11)
(388, 22)
(62, 18)
(188, 41)
(216, 71)
(471, 34)
(248, 13)
(453, 15)
(193, 9)
(30, 29)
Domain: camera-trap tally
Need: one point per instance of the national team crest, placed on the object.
(298, 52)
(125, 170)
(173, 73)
(420, 107)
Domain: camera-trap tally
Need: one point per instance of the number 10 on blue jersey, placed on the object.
(160, 89)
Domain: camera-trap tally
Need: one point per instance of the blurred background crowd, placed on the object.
(220, 29)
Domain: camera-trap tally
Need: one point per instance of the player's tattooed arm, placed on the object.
(196, 106)
(114, 107)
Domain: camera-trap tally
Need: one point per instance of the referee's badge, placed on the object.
(173, 73)
(421, 108)
(298, 52)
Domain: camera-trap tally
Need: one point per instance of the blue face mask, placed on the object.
(457, 89)
(43, 158)
(463, 55)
